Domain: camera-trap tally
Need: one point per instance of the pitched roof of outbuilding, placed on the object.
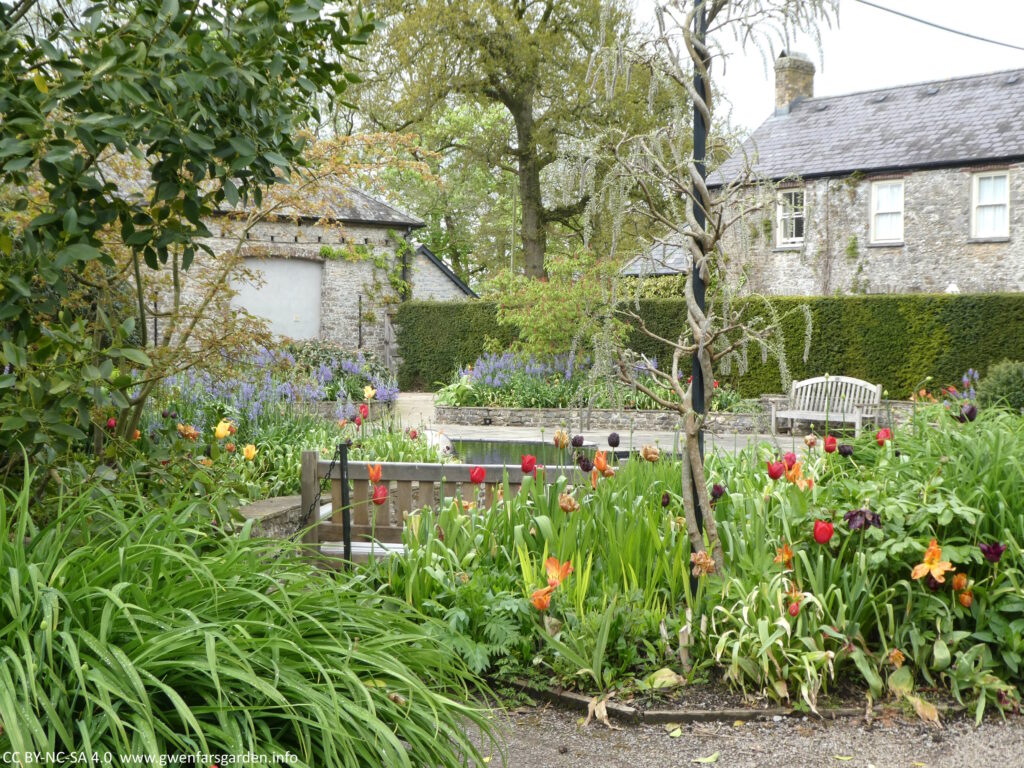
(972, 119)
(665, 258)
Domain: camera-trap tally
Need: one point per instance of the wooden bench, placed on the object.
(376, 530)
(832, 398)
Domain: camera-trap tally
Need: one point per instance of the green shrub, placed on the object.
(895, 341)
(144, 629)
(1004, 385)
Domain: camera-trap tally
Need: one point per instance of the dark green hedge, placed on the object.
(893, 340)
(435, 338)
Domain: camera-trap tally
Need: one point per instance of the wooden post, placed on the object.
(309, 484)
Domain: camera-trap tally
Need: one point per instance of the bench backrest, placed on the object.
(411, 486)
(836, 394)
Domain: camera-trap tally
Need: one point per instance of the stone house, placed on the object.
(334, 274)
(915, 188)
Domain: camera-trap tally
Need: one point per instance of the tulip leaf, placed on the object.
(901, 682)
(709, 759)
(940, 655)
(925, 710)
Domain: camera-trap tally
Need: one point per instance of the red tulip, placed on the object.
(823, 531)
(359, 421)
(380, 495)
(883, 435)
(477, 475)
(529, 463)
(830, 444)
(364, 410)
(412, 434)
(794, 609)
(776, 469)
(789, 460)
(111, 422)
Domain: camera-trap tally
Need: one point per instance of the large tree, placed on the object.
(535, 60)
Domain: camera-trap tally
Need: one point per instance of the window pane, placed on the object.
(888, 226)
(991, 190)
(990, 221)
(889, 197)
(798, 226)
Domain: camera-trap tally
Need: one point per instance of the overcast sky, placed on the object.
(874, 49)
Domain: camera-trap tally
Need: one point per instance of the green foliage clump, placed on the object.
(1004, 385)
(132, 627)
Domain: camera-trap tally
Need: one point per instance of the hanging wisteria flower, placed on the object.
(613, 440)
(862, 518)
(992, 552)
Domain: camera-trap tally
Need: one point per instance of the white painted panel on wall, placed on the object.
(289, 298)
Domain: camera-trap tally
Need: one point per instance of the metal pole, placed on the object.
(346, 507)
(700, 142)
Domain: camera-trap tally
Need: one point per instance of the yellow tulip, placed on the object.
(222, 430)
(369, 392)
(249, 452)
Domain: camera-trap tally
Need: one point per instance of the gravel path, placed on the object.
(549, 738)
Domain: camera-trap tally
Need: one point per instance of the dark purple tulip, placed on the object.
(862, 518)
(933, 584)
(165, 413)
(577, 441)
(584, 463)
(992, 552)
(968, 412)
(613, 440)
(717, 491)
(845, 450)
(174, 414)
(665, 499)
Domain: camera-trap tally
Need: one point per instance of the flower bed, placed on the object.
(891, 561)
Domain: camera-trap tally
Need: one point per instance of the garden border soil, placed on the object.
(632, 715)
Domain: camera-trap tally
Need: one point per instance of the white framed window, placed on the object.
(887, 211)
(990, 205)
(789, 218)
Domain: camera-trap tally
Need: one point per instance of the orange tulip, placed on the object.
(374, 472)
(966, 598)
(784, 555)
(932, 564)
(593, 479)
(600, 461)
(541, 599)
(557, 572)
(960, 582)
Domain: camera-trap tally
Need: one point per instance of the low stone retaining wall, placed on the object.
(595, 418)
(276, 518)
(625, 420)
(328, 409)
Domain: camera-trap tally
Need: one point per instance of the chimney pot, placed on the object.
(794, 80)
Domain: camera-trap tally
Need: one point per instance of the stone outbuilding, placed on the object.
(915, 188)
(337, 273)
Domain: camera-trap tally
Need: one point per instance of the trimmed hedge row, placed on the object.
(893, 340)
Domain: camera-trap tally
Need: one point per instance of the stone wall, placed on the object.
(596, 418)
(837, 257)
(431, 284)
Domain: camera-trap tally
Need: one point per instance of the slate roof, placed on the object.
(669, 258)
(973, 119)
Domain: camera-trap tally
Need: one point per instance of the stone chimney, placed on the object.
(794, 80)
